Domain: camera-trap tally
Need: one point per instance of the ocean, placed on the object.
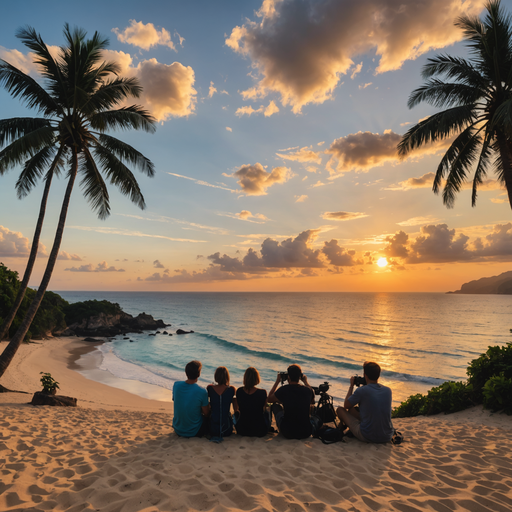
(419, 339)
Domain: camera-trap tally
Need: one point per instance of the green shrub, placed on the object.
(448, 397)
(495, 361)
(497, 393)
(413, 406)
(77, 311)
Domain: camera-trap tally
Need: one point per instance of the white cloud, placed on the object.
(145, 36)
(418, 221)
(14, 245)
(364, 86)
(300, 199)
(229, 129)
(63, 255)
(212, 90)
(201, 182)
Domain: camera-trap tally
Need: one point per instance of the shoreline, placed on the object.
(117, 452)
(66, 358)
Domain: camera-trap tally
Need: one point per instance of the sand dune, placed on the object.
(97, 457)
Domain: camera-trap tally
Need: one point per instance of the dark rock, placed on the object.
(165, 332)
(181, 331)
(108, 326)
(126, 338)
(41, 398)
(170, 334)
(93, 340)
(131, 341)
(157, 332)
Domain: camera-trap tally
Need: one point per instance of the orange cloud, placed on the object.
(308, 68)
(14, 245)
(255, 180)
(343, 215)
(305, 154)
(168, 89)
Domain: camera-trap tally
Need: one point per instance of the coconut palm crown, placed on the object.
(477, 97)
(78, 104)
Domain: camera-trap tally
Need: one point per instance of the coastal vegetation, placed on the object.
(489, 383)
(78, 106)
(478, 100)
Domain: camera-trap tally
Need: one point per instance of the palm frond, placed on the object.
(128, 154)
(460, 166)
(120, 176)
(11, 129)
(111, 93)
(436, 127)
(454, 68)
(93, 186)
(124, 118)
(483, 165)
(25, 147)
(44, 161)
(49, 67)
(20, 85)
(441, 94)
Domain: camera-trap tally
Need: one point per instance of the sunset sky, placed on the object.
(275, 152)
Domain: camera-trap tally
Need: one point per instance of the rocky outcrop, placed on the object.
(181, 331)
(104, 325)
(497, 285)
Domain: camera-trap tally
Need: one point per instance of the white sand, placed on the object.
(117, 452)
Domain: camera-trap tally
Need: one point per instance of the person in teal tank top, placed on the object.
(191, 408)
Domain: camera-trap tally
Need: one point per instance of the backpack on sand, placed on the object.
(329, 435)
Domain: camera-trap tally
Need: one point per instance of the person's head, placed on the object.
(193, 370)
(251, 378)
(221, 375)
(294, 373)
(371, 370)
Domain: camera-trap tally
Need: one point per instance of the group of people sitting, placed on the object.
(199, 411)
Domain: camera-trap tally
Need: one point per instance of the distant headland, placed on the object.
(499, 285)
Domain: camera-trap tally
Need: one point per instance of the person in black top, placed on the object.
(251, 404)
(293, 422)
(221, 396)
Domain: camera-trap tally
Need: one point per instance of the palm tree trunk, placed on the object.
(14, 344)
(506, 158)
(4, 329)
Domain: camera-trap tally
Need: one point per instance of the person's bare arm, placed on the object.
(304, 379)
(206, 410)
(347, 405)
(271, 396)
(234, 401)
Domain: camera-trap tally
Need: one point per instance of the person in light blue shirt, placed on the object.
(191, 408)
(372, 423)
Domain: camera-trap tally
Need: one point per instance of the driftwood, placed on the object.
(41, 398)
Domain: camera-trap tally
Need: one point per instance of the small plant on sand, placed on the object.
(50, 385)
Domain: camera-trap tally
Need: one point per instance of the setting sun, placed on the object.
(382, 262)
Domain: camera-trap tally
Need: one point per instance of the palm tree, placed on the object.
(478, 98)
(76, 112)
(40, 160)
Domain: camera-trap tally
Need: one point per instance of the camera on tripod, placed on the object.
(322, 388)
(325, 409)
(359, 381)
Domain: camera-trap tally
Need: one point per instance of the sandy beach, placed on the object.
(117, 452)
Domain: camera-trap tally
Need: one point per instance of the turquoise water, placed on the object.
(419, 339)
